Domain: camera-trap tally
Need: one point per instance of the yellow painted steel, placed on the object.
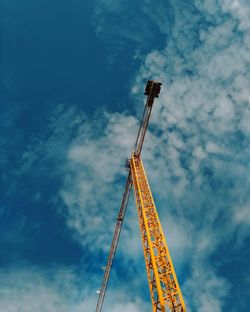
(164, 288)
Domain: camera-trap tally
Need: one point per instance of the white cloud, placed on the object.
(52, 141)
(205, 290)
(242, 215)
(29, 289)
(91, 191)
(118, 22)
(55, 290)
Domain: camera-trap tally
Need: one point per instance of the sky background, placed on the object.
(72, 80)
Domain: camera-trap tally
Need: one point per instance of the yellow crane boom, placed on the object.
(163, 284)
(164, 288)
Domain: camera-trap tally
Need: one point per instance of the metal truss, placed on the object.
(164, 288)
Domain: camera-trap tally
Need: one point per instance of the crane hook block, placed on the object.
(153, 88)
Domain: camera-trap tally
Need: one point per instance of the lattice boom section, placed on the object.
(164, 288)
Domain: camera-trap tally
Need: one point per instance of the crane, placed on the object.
(164, 288)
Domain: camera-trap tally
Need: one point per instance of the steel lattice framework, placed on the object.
(164, 288)
(163, 285)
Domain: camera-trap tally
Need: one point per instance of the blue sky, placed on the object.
(72, 80)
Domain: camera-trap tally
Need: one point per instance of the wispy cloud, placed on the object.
(39, 290)
(56, 290)
(120, 22)
(92, 189)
